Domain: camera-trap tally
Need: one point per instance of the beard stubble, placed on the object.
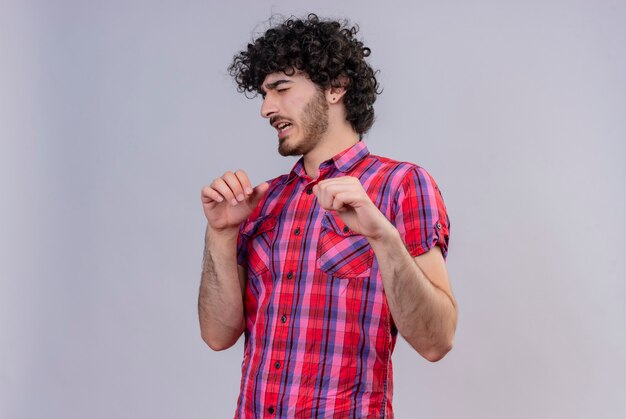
(314, 123)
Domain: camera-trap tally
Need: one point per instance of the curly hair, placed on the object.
(327, 51)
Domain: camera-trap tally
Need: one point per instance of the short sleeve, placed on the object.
(242, 246)
(250, 226)
(250, 229)
(246, 230)
(421, 216)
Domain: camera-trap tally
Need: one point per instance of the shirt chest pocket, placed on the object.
(259, 237)
(341, 252)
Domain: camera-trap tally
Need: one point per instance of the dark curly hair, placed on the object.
(327, 51)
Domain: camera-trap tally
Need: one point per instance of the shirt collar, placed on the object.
(344, 161)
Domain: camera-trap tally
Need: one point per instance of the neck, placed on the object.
(337, 138)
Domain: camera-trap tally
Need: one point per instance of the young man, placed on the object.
(322, 267)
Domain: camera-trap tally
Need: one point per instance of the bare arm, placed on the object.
(419, 295)
(417, 289)
(227, 202)
(220, 300)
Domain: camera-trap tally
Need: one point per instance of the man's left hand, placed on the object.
(346, 196)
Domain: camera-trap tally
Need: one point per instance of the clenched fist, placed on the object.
(346, 196)
(230, 199)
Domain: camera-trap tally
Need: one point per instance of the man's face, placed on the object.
(297, 109)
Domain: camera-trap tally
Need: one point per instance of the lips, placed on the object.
(283, 127)
(284, 131)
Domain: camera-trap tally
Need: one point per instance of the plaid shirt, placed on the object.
(319, 335)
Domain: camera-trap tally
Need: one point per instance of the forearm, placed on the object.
(220, 300)
(424, 314)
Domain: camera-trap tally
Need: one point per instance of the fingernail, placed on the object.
(249, 190)
(220, 199)
(240, 197)
(233, 201)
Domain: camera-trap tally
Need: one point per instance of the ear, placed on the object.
(337, 89)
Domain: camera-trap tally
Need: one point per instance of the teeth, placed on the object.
(283, 125)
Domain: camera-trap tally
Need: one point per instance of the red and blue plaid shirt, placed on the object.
(319, 335)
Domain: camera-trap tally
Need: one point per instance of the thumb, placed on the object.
(259, 192)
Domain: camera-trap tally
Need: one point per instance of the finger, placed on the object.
(337, 203)
(209, 195)
(341, 185)
(235, 186)
(344, 199)
(324, 199)
(220, 186)
(317, 191)
(244, 181)
(337, 196)
(327, 190)
(258, 193)
(261, 188)
(335, 188)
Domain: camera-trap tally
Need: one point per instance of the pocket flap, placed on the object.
(335, 223)
(258, 226)
(342, 252)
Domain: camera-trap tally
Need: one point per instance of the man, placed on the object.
(322, 267)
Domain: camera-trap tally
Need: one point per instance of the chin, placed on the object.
(297, 147)
(284, 149)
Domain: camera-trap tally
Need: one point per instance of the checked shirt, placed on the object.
(319, 335)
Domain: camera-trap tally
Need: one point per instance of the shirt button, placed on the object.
(309, 191)
(346, 229)
(283, 319)
(296, 231)
(438, 226)
(289, 275)
(271, 410)
(277, 365)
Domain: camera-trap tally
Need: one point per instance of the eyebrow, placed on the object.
(273, 85)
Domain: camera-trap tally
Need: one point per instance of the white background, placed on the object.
(114, 114)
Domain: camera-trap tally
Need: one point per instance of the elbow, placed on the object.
(218, 343)
(440, 344)
(433, 351)
(437, 353)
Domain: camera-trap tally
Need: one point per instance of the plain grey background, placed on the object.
(114, 114)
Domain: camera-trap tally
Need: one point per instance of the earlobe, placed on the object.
(334, 94)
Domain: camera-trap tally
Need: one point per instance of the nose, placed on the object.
(268, 107)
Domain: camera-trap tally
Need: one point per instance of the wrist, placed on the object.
(385, 235)
(222, 234)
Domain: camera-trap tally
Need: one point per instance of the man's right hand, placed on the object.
(230, 199)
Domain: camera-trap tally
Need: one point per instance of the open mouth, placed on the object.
(283, 126)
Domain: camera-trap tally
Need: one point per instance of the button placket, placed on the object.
(280, 353)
